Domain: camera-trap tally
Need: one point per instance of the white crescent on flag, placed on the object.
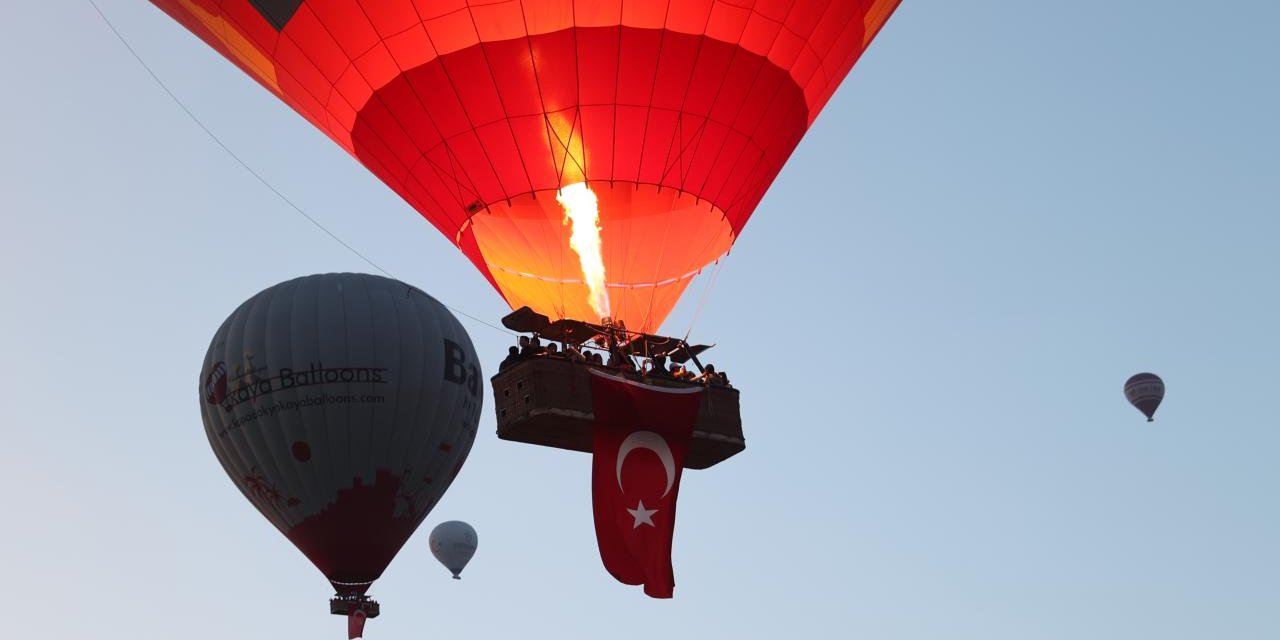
(653, 442)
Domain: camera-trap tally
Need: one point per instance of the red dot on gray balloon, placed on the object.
(301, 451)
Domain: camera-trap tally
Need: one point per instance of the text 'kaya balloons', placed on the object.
(453, 543)
(342, 406)
(484, 116)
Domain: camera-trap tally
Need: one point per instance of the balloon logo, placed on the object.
(1145, 391)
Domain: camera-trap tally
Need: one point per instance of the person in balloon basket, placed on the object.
(621, 361)
(708, 375)
(711, 377)
(658, 367)
(679, 372)
(531, 346)
(513, 356)
(574, 353)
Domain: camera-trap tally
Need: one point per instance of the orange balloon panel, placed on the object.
(654, 241)
(467, 108)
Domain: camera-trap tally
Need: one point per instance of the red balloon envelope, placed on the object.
(678, 115)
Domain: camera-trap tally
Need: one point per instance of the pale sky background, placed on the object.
(1006, 210)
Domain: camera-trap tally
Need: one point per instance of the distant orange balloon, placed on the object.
(678, 115)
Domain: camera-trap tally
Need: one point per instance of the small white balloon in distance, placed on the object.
(453, 543)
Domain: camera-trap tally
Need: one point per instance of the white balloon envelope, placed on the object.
(453, 543)
(342, 406)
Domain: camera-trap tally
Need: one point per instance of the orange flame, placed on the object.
(582, 212)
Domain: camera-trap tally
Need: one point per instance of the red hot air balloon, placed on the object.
(342, 406)
(590, 157)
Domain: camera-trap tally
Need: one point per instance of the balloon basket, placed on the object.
(547, 401)
(346, 605)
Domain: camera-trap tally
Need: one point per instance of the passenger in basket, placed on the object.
(659, 368)
(619, 360)
(680, 373)
(710, 377)
(574, 353)
(535, 347)
(513, 356)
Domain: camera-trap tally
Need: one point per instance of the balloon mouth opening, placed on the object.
(652, 243)
(350, 589)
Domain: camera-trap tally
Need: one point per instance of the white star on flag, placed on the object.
(642, 515)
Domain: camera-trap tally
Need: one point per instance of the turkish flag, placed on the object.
(641, 436)
(355, 623)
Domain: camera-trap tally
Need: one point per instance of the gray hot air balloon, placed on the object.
(1145, 391)
(342, 406)
(453, 543)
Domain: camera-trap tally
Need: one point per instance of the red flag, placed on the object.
(355, 623)
(641, 436)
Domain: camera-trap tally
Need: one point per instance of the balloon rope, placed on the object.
(706, 293)
(254, 173)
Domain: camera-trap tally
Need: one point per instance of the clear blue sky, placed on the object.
(1006, 210)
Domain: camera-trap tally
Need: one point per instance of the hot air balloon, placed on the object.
(1145, 391)
(589, 157)
(453, 543)
(342, 406)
